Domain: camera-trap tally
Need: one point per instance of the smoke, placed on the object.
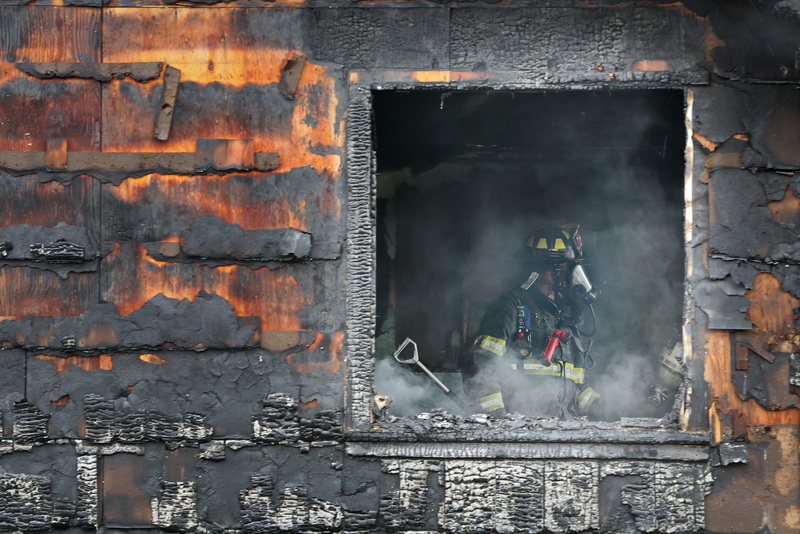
(463, 194)
(412, 393)
(625, 386)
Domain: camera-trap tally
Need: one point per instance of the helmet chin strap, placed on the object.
(529, 282)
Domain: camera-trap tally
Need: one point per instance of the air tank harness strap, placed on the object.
(523, 339)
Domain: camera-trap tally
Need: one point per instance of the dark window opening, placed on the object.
(464, 178)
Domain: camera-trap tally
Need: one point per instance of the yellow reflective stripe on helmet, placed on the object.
(569, 371)
(492, 402)
(559, 244)
(492, 344)
(587, 397)
(542, 243)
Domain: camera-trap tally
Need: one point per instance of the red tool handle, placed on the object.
(553, 342)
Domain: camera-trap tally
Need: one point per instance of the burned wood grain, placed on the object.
(74, 206)
(172, 78)
(26, 502)
(102, 72)
(34, 111)
(719, 372)
(26, 290)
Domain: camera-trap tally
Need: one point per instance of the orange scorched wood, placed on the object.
(229, 198)
(718, 374)
(134, 278)
(33, 109)
(786, 210)
(771, 309)
(24, 200)
(209, 51)
(87, 363)
(772, 313)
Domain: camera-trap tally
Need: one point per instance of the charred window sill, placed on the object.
(529, 439)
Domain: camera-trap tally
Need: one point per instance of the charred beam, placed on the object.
(280, 422)
(683, 453)
(116, 166)
(60, 251)
(25, 502)
(172, 78)
(103, 72)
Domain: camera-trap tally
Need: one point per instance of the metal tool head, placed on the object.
(413, 359)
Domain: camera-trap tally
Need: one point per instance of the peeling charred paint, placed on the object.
(205, 322)
(769, 464)
(209, 237)
(103, 72)
(63, 249)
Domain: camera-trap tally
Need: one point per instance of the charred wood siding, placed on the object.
(186, 270)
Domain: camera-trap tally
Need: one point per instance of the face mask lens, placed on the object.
(579, 278)
(581, 286)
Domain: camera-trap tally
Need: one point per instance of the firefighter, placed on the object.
(529, 355)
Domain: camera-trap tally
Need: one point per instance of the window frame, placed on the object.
(667, 438)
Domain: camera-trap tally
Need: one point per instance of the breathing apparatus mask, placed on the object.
(581, 289)
(561, 247)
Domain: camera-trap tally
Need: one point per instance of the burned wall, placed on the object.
(187, 270)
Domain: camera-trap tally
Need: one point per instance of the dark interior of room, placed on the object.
(465, 177)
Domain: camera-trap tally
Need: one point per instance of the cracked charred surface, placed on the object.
(750, 293)
(217, 406)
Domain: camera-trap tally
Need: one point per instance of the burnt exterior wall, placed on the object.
(187, 287)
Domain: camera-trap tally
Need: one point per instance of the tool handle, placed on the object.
(433, 377)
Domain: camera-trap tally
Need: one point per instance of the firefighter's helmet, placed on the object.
(555, 244)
